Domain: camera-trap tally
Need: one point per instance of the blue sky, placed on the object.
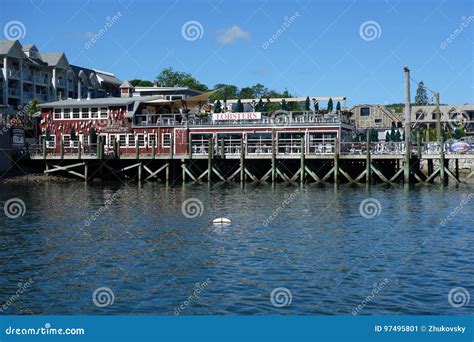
(322, 51)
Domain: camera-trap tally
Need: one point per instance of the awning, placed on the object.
(195, 101)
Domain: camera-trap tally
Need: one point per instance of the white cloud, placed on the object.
(230, 34)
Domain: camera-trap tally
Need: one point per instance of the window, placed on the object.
(85, 113)
(67, 140)
(378, 121)
(67, 113)
(103, 113)
(85, 139)
(131, 140)
(57, 113)
(75, 113)
(166, 139)
(51, 143)
(365, 111)
(141, 140)
(122, 140)
(151, 140)
(94, 113)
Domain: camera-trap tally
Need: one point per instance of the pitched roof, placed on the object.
(52, 58)
(6, 45)
(126, 84)
(103, 101)
(107, 78)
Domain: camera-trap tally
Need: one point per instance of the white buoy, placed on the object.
(221, 220)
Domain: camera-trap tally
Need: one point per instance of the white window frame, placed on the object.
(128, 140)
(88, 113)
(78, 113)
(51, 143)
(102, 114)
(64, 113)
(154, 138)
(125, 136)
(94, 115)
(60, 113)
(141, 143)
(163, 140)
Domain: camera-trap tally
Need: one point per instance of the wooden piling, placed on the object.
(440, 140)
(336, 164)
(407, 124)
(137, 150)
(44, 148)
(62, 149)
(273, 158)
(79, 147)
(302, 172)
(209, 159)
(222, 149)
(86, 172)
(153, 151)
(242, 161)
(367, 162)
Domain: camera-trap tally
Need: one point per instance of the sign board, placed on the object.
(236, 116)
(18, 136)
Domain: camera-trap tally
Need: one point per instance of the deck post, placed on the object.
(418, 145)
(222, 149)
(302, 172)
(44, 148)
(273, 158)
(190, 148)
(118, 149)
(153, 151)
(86, 172)
(336, 164)
(102, 147)
(209, 160)
(440, 140)
(139, 173)
(183, 168)
(79, 146)
(167, 173)
(456, 161)
(137, 150)
(406, 166)
(242, 161)
(62, 148)
(367, 162)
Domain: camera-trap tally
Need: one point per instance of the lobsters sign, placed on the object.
(237, 116)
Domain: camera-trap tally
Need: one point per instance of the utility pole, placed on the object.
(440, 139)
(406, 167)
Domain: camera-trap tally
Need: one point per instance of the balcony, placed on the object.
(40, 79)
(14, 92)
(13, 73)
(61, 83)
(27, 76)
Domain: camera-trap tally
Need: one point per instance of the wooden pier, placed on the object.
(301, 162)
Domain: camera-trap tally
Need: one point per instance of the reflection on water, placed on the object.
(316, 244)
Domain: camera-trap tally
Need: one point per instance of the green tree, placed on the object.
(259, 91)
(387, 136)
(330, 105)
(225, 92)
(246, 93)
(398, 136)
(218, 107)
(284, 105)
(260, 106)
(338, 106)
(421, 98)
(170, 78)
(307, 104)
(141, 83)
(240, 107)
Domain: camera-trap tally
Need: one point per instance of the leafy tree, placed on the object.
(387, 136)
(260, 106)
(246, 93)
(225, 92)
(170, 78)
(218, 107)
(259, 90)
(338, 106)
(307, 104)
(374, 135)
(330, 105)
(141, 83)
(240, 107)
(398, 136)
(421, 98)
(284, 105)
